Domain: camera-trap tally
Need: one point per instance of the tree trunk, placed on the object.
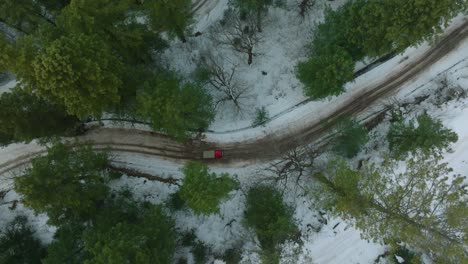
(259, 20)
(249, 52)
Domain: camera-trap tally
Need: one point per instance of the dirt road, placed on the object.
(271, 145)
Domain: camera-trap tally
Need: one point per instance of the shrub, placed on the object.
(261, 116)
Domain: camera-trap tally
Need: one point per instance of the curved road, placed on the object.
(270, 146)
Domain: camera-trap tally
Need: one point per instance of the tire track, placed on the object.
(272, 145)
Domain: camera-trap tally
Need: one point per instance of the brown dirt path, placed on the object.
(272, 145)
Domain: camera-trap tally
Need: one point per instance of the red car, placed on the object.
(213, 154)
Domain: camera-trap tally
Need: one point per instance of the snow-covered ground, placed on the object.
(282, 47)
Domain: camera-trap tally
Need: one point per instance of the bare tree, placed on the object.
(239, 34)
(224, 81)
(294, 164)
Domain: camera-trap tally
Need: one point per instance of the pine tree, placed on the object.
(430, 134)
(121, 231)
(23, 15)
(350, 137)
(66, 184)
(271, 219)
(424, 205)
(174, 16)
(325, 74)
(17, 56)
(67, 246)
(18, 244)
(175, 108)
(70, 73)
(202, 191)
(146, 238)
(115, 22)
(35, 118)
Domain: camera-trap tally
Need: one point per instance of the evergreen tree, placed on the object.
(18, 244)
(271, 219)
(146, 237)
(121, 231)
(175, 108)
(115, 22)
(203, 191)
(325, 74)
(170, 15)
(70, 73)
(405, 137)
(67, 246)
(68, 183)
(350, 138)
(17, 56)
(23, 15)
(419, 206)
(363, 28)
(35, 118)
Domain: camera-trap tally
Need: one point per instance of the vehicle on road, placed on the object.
(213, 154)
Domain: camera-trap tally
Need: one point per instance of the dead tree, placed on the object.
(294, 164)
(224, 81)
(239, 34)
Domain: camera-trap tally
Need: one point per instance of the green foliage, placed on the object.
(340, 190)
(430, 134)
(325, 74)
(18, 244)
(270, 218)
(115, 21)
(363, 28)
(70, 73)
(147, 239)
(350, 138)
(16, 57)
(232, 256)
(23, 15)
(261, 116)
(175, 202)
(34, 119)
(67, 246)
(409, 256)
(199, 252)
(426, 18)
(122, 231)
(175, 108)
(172, 15)
(67, 183)
(424, 205)
(202, 190)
